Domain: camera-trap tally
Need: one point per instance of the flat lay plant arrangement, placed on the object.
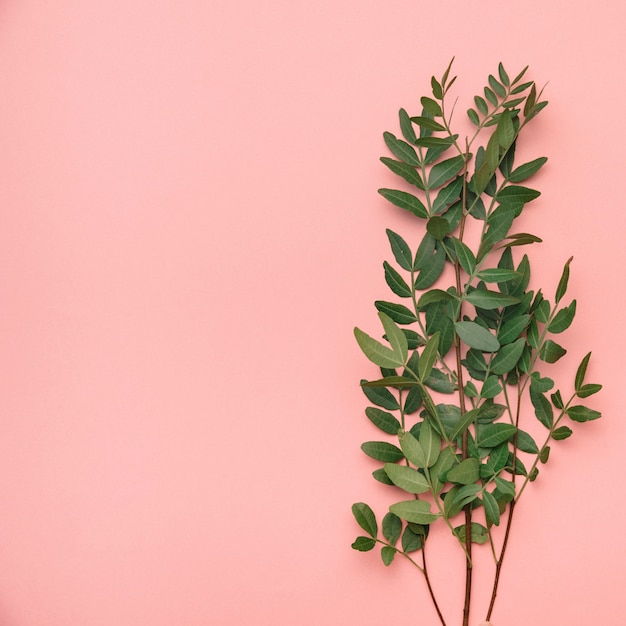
(464, 341)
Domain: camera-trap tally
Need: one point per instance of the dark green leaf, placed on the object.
(473, 116)
(491, 96)
(380, 396)
(382, 451)
(401, 149)
(497, 275)
(411, 541)
(408, 172)
(516, 194)
(417, 511)
(496, 86)
(506, 487)
(543, 408)
(513, 328)
(434, 295)
(544, 455)
(381, 477)
(551, 351)
(521, 239)
(397, 312)
(428, 357)
(365, 518)
(492, 510)
(557, 400)
(475, 336)
(431, 106)
(424, 252)
(413, 400)
(507, 357)
(385, 421)
(401, 250)
(428, 123)
(562, 287)
(442, 172)
(436, 87)
(407, 478)
(447, 195)
(396, 382)
(395, 337)
(363, 544)
(432, 269)
(526, 443)
(438, 381)
(491, 388)
(525, 171)
(562, 432)
(396, 283)
(392, 528)
(465, 256)
(481, 105)
(438, 227)
(588, 390)
(580, 413)
(405, 201)
(387, 554)
(463, 423)
(581, 371)
(478, 534)
(406, 126)
(563, 319)
(504, 77)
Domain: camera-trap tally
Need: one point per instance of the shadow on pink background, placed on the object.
(190, 230)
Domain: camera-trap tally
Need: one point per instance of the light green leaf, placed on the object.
(478, 533)
(430, 442)
(417, 511)
(376, 352)
(492, 511)
(498, 275)
(475, 336)
(365, 518)
(407, 478)
(428, 357)
(413, 450)
(486, 299)
(465, 473)
(491, 387)
(396, 338)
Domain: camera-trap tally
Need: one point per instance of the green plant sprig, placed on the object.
(448, 362)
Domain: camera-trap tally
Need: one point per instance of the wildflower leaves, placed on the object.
(455, 439)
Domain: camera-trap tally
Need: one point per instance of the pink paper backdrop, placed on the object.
(190, 230)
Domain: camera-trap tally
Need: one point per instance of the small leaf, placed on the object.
(407, 478)
(383, 420)
(562, 286)
(504, 77)
(401, 150)
(492, 435)
(363, 544)
(392, 528)
(401, 250)
(507, 357)
(417, 511)
(406, 126)
(473, 116)
(428, 123)
(387, 554)
(411, 541)
(448, 195)
(431, 106)
(581, 371)
(396, 283)
(516, 194)
(491, 388)
(526, 443)
(479, 533)
(465, 256)
(405, 200)
(497, 275)
(521, 239)
(431, 444)
(588, 390)
(496, 86)
(376, 352)
(380, 396)
(562, 432)
(551, 351)
(580, 413)
(365, 518)
(492, 510)
(481, 105)
(433, 267)
(513, 328)
(413, 450)
(438, 227)
(397, 312)
(505, 486)
(408, 172)
(544, 455)
(382, 451)
(543, 408)
(475, 336)
(381, 476)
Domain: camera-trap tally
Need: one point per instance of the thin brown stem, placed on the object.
(430, 589)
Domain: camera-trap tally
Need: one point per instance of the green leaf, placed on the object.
(436, 87)
(521, 239)
(580, 413)
(365, 518)
(376, 352)
(588, 390)
(465, 473)
(407, 478)
(513, 328)
(473, 116)
(497, 275)
(405, 201)
(562, 432)
(431, 443)
(507, 357)
(486, 299)
(382, 451)
(562, 286)
(551, 351)
(563, 319)
(411, 541)
(380, 396)
(481, 105)
(424, 252)
(516, 194)
(381, 477)
(396, 382)
(401, 149)
(434, 295)
(396, 338)
(581, 371)
(406, 126)
(464, 422)
(397, 312)
(465, 256)
(428, 123)
(504, 77)
(526, 443)
(413, 450)
(492, 510)
(431, 106)
(475, 336)
(505, 130)
(417, 511)
(447, 195)
(543, 408)
(496, 86)
(387, 553)
(544, 455)
(413, 400)
(523, 172)
(383, 420)
(363, 544)
(492, 435)
(408, 172)
(505, 487)
(491, 388)
(392, 528)
(396, 283)
(491, 96)
(401, 250)
(442, 172)
(433, 267)
(478, 533)
(438, 227)
(428, 357)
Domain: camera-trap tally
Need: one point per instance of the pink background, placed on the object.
(190, 230)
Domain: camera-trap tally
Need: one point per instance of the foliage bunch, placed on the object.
(460, 364)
